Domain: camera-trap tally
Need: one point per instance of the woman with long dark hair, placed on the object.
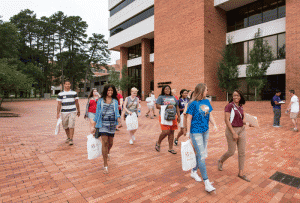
(91, 106)
(106, 119)
(166, 98)
(198, 118)
(235, 131)
(182, 102)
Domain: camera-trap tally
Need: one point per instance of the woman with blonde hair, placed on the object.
(198, 117)
(131, 105)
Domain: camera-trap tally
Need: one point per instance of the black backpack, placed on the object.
(272, 102)
(170, 114)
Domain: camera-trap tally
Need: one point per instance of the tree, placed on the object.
(114, 78)
(261, 57)
(228, 69)
(9, 40)
(126, 81)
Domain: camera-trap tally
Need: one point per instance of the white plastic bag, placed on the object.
(162, 115)
(188, 156)
(58, 126)
(132, 122)
(94, 147)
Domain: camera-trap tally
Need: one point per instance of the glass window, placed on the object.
(120, 6)
(138, 18)
(269, 10)
(134, 51)
(151, 46)
(245, 52)
(272, 41)
(281, 46)
(250, 47)
(231, 21)
(239, 48)
(281, 8)
(255, 13)
(241, 17)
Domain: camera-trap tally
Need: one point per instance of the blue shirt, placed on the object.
(276, 98)
(98, 117)
(200, 111)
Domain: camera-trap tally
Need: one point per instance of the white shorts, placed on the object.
(181, 120)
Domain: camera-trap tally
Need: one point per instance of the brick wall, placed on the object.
(147, 73)
(292, 47)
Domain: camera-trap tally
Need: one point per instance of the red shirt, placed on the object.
(238, 114)
(93, 106)
(119, 96)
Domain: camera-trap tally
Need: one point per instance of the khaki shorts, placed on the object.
(68, 120)
(294, 115)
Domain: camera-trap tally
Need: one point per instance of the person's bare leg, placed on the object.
(105, 149)
(294, 123)
(68, 132)
(71, 130)
(91, 125)
(180, 133)
(110, 143)
(162, 136)
(171, 139)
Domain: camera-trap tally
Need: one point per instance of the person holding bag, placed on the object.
(198, 116)
(131, 105)
(235, 132)
(91, 106)
(167, 99)
(106, 119)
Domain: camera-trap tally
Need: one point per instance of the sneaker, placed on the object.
(130, 141)
(133, 137)
(277, 126)
(147, 115)
(176, 142)
(295, 130)
(67, 140)
(208, 186)
(71, 142)
(195, 175)
(154, 115)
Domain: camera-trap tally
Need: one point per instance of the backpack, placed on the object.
(170, 114)
(272, 102)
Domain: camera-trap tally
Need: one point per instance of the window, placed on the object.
(135, 51)
(135, 73)
(120, 7)
(239, 48)
(272, 41)
(138, 18)
(151, 46)
(255, 13)
(96, 83)
(281, 46)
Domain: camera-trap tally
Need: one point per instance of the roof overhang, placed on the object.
(228, 5)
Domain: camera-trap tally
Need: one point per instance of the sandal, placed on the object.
(220, 165)
(172, 151)
(157, 147)
(105, 170)
(244, 178)
(176, 142)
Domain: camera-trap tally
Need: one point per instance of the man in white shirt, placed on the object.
(294, 109)
(67, 108)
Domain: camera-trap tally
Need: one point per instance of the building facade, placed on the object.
(179, 42)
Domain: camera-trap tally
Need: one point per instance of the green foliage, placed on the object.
(261, 57)
(228, 69)
(126, 80)
(114, 77)
(9, 40)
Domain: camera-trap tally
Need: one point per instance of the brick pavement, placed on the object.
(37, 166)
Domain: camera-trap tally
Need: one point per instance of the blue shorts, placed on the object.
(91, 115)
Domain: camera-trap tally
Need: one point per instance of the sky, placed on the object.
(94, 12)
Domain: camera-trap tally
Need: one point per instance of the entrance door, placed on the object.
(136, 73)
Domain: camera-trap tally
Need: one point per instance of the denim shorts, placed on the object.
(91, 115)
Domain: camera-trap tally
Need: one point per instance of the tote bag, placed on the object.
(58, 126)
(132, 122)
(94, 147)
(188, 156)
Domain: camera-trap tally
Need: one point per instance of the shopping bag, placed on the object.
(188, 156)
(58, 126)
(94, 147)
(132, 122)
(251, 120)
(162, 114)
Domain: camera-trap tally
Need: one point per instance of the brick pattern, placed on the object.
(292, 47)
(37, 166)
(147, 68)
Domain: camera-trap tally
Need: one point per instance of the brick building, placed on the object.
(189, 35)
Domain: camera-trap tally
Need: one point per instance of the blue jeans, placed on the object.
(200, 144)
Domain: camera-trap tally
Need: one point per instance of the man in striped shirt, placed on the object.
(66, 109)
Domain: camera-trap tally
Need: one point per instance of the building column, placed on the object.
(123, 61)
(146, 68)
(292, 69)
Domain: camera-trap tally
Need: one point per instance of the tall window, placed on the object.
(255, 13)
(135, 51)
(151, 46)
(135, 72)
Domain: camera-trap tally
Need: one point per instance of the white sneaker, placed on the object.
(133, 138)
(195, 175)
(130, 141)
(208, 186)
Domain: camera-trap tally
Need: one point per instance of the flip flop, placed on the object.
(244, 178)
(157, 147)
(172, 151)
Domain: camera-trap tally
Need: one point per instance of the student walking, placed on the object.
(106, 119)
(91, 106)
(198, 116)
(277, 108)
(294, 109)
(183, 101)
(235, 132)
(120, 103)
(154, 99)
(131, 105)
(166, 98)
(66, 109)
(150, 104)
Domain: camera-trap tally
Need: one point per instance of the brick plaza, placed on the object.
(37, 166)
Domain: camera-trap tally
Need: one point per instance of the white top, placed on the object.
(150, 101)
(67, 99)
(295, 104)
